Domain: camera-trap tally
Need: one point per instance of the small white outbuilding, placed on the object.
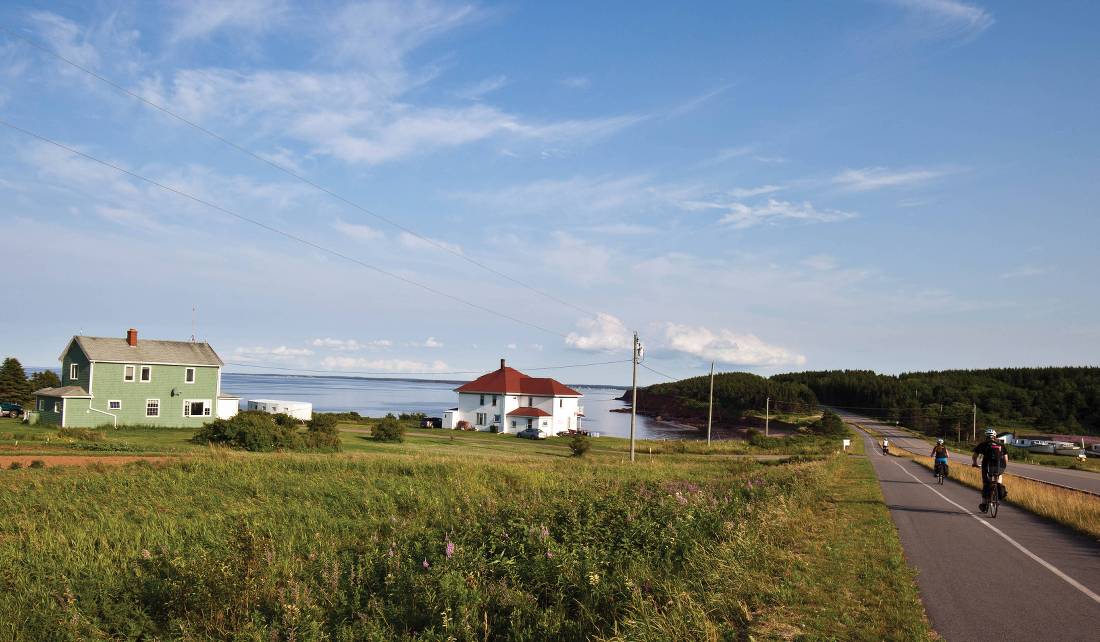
(298, 409)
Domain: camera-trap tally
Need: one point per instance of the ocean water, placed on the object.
(376, 397)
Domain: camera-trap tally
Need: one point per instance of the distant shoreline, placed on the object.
(602, 386)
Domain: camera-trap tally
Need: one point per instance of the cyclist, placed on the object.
(885, 446)
(994, 462)
(939, 455)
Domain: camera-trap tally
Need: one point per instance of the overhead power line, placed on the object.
(395, 374)
(280, 232)
(669, 377)
(290, 172)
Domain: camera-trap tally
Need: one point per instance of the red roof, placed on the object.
(509, 381)
(527, 411)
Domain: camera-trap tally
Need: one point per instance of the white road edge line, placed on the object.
(1045, 564)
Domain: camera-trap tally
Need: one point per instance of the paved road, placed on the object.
(1016, 577)
(1081, 479)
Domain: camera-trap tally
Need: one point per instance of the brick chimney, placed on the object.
(131, 337)
(502, 364)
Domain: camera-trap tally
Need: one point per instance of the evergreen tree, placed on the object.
(44, 379)
(14, 387)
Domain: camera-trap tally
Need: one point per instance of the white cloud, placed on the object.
(511, 346)
(129, 218)
(872, 178)
(578, 260)
(383, 365)
(66, 38)
(621, 229)
(946, 18)
(742, 216)
(414, 242)
(537, 347)
(279, 352)
(350, 345)
(357, 231)
(1025, 271)
(196, 19)
(820, 262)
(381, 33)
(430, 342)
(576, 82)
(605, 333)
(480, 89)
(728, 347)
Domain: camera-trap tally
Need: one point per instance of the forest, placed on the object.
(734, 394)
(1063, 400)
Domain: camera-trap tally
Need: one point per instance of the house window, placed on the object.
(494, 400)
(57, 407)
(529, 422)
(196, 408)
(41, 404)
(146, 374)
(482, 402)
(496, 419)
(189, 375)
(530, 402)
(152, 407)
(513, 423)
(481, 417)
(74, 370)
(561, 403)
(114, 404)
(128, 373)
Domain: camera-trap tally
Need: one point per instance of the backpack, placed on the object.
(995, 458)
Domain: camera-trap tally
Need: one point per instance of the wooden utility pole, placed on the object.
(710, 407)
(974, 425)
(634, 350)
(767, 414)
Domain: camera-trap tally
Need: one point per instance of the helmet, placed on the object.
(989, 432)
(939, 441)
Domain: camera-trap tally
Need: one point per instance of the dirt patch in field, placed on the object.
(76, 460)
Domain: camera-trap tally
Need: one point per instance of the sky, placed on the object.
(425, 187)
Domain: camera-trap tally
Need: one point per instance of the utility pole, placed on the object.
(634, 350)
(767, 414)
(710, 407)
(974, 425)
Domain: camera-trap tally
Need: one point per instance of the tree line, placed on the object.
(16, 387)
(734, 394)
(1056, 399)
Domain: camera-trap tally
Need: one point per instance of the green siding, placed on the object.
(78, 416)
(46, 415)
(75, 355)
(108, 385)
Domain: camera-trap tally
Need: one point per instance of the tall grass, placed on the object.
(388, 547)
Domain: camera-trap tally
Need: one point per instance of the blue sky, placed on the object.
(886, 184)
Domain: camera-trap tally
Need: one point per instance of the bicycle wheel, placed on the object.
(940, 478)
(993, 506)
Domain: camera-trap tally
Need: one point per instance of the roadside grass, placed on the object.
(431, 542)
(1077, 510)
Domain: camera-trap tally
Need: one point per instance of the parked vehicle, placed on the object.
(1043, 449)
(532, 433)
(10, 409)
(1067, 450)
(431, 422)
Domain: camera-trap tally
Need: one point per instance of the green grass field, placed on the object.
(479, 537)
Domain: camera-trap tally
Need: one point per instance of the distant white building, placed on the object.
(298, 409)
(511, 401)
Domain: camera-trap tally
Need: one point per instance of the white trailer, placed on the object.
(298, 409)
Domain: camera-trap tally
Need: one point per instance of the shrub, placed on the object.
(82, 434)
(412, 416)
(285, 420)
(388, 429)
(15, 465)
(250, 430)
(323, 422)
(322, 433)
(38, 463)
(830, 425)
(579, 445)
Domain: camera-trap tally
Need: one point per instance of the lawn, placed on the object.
(479, 537)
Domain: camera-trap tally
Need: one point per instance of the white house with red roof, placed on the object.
(510, 401)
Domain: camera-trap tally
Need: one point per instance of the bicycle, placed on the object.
(941, 472)
(993, 502)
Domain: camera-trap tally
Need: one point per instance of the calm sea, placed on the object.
(376, 397)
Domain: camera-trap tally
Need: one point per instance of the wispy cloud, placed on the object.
(728, 347)
(604, 333)
(741, 216)
(946, 18)
(357, 231)
(480, 89)
(350, 345)
(872, 178)
(277, 352)
(383, 365)
(197, 19)
(419, 243)
(1025, 271)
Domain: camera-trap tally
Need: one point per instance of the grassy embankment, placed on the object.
(477, 538)
(1080, 511)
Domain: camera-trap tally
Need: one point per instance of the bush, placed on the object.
(38, 463)
(579, 445)
(388, 429)
(15, 465)
(285, 420)
(322, 433)
(82, 434)
(250, 430)
(830, 425)
(412, 416)
(323, 422)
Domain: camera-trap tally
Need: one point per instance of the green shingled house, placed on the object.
(108, 381)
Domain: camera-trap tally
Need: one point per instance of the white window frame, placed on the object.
(41, 405)
(147, 402)
(141, 374)
(206, 407)
(111, 406)
(58, 407)
(133, 373)
(481, 402)
(494, 401)
(482, 418)
(189, 371)
(74, 371)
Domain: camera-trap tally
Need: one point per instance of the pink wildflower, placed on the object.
(450, 549)
(426, 565)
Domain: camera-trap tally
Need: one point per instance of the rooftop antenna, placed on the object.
(192, 324)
